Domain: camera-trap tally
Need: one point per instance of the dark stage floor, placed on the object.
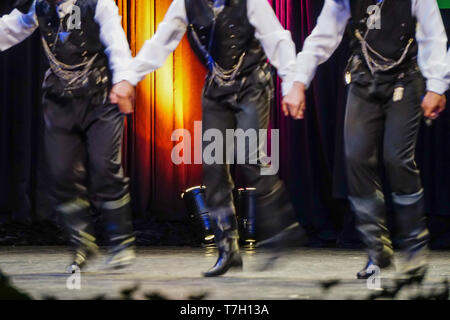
(175, 274)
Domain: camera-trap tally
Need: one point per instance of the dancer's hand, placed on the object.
(294, 103)
(433, 104)
(123, 94)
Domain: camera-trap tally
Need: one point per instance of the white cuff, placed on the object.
(286, 86)
(437, 86)
(303, 79)
(129, 76)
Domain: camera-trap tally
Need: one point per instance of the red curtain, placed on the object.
(170, 99)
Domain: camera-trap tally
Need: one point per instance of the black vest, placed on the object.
(79, 45)
(233, 34)
(398, 26)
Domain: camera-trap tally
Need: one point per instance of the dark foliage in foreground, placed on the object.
(440, 292)
(9, 292)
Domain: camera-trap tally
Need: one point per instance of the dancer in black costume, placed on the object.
(88, 53)
(232, 39)
(395, 44)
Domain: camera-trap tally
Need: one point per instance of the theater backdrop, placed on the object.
(311, 150)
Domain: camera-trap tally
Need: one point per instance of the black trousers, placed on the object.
(374, 119)
(83, 143)
(244, 106)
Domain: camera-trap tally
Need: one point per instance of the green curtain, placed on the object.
(444, 4)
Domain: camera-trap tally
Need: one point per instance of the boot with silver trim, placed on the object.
(119, 228)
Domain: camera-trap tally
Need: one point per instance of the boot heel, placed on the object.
(237, 268)
(237, 264)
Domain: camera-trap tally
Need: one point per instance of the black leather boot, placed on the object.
(119, 228)
(86, 249)
(78, 219)
(278, 245)
(366, 272)
(291, 236)
(371, 223)
(225, 227)
(277, 225)
(413, 233)
(229, 258)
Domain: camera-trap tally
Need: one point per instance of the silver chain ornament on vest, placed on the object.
(73, 76)
(383, 64)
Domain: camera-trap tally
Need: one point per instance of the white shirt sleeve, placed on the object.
(114, 39)
(16, 27)
(447, 69)
(324, 39)
(167, 37)
(432, 41)
(276, 41)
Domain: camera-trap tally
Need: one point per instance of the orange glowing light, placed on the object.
(167, 100)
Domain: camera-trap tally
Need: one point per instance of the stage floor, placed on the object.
(175, 273)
